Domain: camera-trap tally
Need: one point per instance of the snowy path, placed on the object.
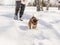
(13, 32)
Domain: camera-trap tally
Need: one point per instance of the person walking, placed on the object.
(20, 7)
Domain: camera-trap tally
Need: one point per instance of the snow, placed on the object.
(15, 32)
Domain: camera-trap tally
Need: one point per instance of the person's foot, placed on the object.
(21, 19)
(16, 17)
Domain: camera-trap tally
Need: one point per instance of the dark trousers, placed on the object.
(19, 8)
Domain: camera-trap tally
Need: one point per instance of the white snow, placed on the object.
(15, 32)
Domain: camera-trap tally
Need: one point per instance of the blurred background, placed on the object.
(53, 3)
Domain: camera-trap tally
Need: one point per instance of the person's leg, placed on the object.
(22, 10)
(17, 9)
